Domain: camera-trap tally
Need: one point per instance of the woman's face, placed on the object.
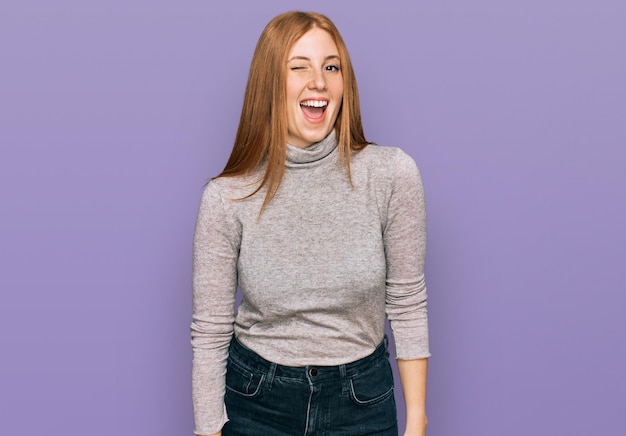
(314, 88)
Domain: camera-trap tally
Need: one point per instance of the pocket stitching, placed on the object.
(373, 400)
(250, 376)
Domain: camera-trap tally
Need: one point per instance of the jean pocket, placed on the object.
(243, 381)
(373, 386)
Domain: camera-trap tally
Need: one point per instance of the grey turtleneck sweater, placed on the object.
(318, 269)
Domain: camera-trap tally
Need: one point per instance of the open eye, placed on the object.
(333, 68)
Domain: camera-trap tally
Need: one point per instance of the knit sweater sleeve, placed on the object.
(215, 251)
(405, 247)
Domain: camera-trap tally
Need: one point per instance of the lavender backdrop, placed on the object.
(114, 113)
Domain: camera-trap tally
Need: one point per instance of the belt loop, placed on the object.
(270, 376)
(386, 342)
(342, 371)
(344, 380)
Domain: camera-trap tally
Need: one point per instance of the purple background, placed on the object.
(113, 114)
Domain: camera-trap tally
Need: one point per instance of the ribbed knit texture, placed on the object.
(318, 269)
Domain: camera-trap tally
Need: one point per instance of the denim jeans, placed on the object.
(266, 399)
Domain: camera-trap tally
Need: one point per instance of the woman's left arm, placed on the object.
(405, 249)
(413, 378)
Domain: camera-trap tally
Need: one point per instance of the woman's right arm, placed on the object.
(215, 251)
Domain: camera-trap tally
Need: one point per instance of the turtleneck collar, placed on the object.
(314, 152)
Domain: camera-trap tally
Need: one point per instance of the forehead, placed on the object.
(314, 43)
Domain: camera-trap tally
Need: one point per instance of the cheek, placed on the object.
(338, 96)
(291, 96)
(337, 89)
(292, 91)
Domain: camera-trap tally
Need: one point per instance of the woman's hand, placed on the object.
(416, 425)
(219, 433)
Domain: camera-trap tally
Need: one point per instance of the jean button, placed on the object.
(313, 372)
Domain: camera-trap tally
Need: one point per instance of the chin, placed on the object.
(305, 140)
(318, 136)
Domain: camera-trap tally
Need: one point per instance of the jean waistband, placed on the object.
(242, 355)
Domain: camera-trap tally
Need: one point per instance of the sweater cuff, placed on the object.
(212, 426)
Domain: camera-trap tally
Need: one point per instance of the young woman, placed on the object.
(324, 234)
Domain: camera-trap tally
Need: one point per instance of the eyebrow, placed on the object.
(304, 58)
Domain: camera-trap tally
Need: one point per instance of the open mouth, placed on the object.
(314, 109)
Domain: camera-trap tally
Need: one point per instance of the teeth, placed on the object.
(314, 103)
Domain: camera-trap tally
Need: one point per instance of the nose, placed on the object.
(318, 81)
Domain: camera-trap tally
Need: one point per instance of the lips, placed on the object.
(314, 109)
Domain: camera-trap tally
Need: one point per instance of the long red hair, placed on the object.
(262, 132)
